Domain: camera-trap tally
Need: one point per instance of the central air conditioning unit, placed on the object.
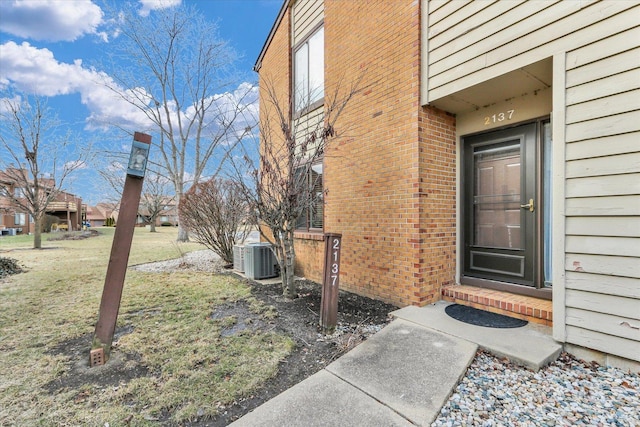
(259, 262)
(238, 258)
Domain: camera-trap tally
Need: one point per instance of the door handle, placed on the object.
(529, 206)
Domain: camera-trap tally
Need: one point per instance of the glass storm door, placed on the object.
(499, 205)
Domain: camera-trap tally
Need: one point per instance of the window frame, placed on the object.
(306, 220)
(20, 218)
(306, 104)
(19, 193)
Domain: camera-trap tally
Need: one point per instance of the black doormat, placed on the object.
(482, 318)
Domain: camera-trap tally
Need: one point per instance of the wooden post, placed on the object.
(117, 268)
(330, 283)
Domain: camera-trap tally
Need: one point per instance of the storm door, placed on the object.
(500, 207)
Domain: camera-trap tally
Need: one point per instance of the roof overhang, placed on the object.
(525, 80)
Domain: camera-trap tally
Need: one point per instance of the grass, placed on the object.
(185, 367)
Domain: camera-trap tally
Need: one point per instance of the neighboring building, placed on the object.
(66, 207)
(168, 211)
(164, 207)
(13, 219)
(493, 158)
(97, 215)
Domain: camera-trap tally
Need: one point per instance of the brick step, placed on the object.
(532, 309)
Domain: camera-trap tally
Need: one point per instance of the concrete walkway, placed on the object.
(402, 375)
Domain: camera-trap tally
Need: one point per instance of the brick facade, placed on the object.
(276, 69)
(370, 172)
(437, 194)
(390, 175)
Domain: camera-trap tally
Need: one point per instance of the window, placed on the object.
(20, 219)
(312, 215)
(18, 193)
(309, 71)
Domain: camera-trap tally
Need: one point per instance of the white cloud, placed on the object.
(76, 165)
(49, 19)
(5, 103)
(115, 167)
(36, 71)
(149, 5)
(239, 107)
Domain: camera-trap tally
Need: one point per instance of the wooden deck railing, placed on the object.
(62, 206)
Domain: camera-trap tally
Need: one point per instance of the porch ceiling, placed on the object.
(525, 80)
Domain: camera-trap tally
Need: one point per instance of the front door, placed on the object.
(500, 206)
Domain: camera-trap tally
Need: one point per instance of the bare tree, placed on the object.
(156, 199)
(284, 184)
(157, 196)
(217, 214)
(178, 74)
(28, 136)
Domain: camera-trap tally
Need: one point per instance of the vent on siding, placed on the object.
(238, 258)
(259, 262)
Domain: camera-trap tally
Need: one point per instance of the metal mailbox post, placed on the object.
(330, 283)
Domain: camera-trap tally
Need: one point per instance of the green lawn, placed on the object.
(174, 363)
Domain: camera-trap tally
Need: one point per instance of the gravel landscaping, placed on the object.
(568, 392)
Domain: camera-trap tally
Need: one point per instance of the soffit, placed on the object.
(525, 80)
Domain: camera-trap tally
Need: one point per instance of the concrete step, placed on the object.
(531, 345)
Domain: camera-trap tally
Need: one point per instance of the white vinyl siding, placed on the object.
(468, 43)
(308, 69)
(598, 124)
(304, 125)
(307, 16)
(603, 194)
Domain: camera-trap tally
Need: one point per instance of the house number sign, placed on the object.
(331, 281)
(502, 116)
(334, 274)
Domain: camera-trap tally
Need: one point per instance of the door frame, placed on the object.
(538, 290)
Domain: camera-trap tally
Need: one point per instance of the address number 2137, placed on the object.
(499, 117)
(335, 266)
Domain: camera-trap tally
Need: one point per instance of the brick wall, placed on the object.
(309, 249)
(390, 174)
(372, 168)
(436, 191)
(275, 73)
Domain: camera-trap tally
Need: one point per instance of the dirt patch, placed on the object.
(73, 235)
(236, 318)
(122, 367)
(358, 318)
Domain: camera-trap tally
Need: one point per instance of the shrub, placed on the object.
(9, 266)
(217, 215)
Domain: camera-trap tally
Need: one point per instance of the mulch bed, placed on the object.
(358, 318)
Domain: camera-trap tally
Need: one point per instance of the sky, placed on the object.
(55, 49)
